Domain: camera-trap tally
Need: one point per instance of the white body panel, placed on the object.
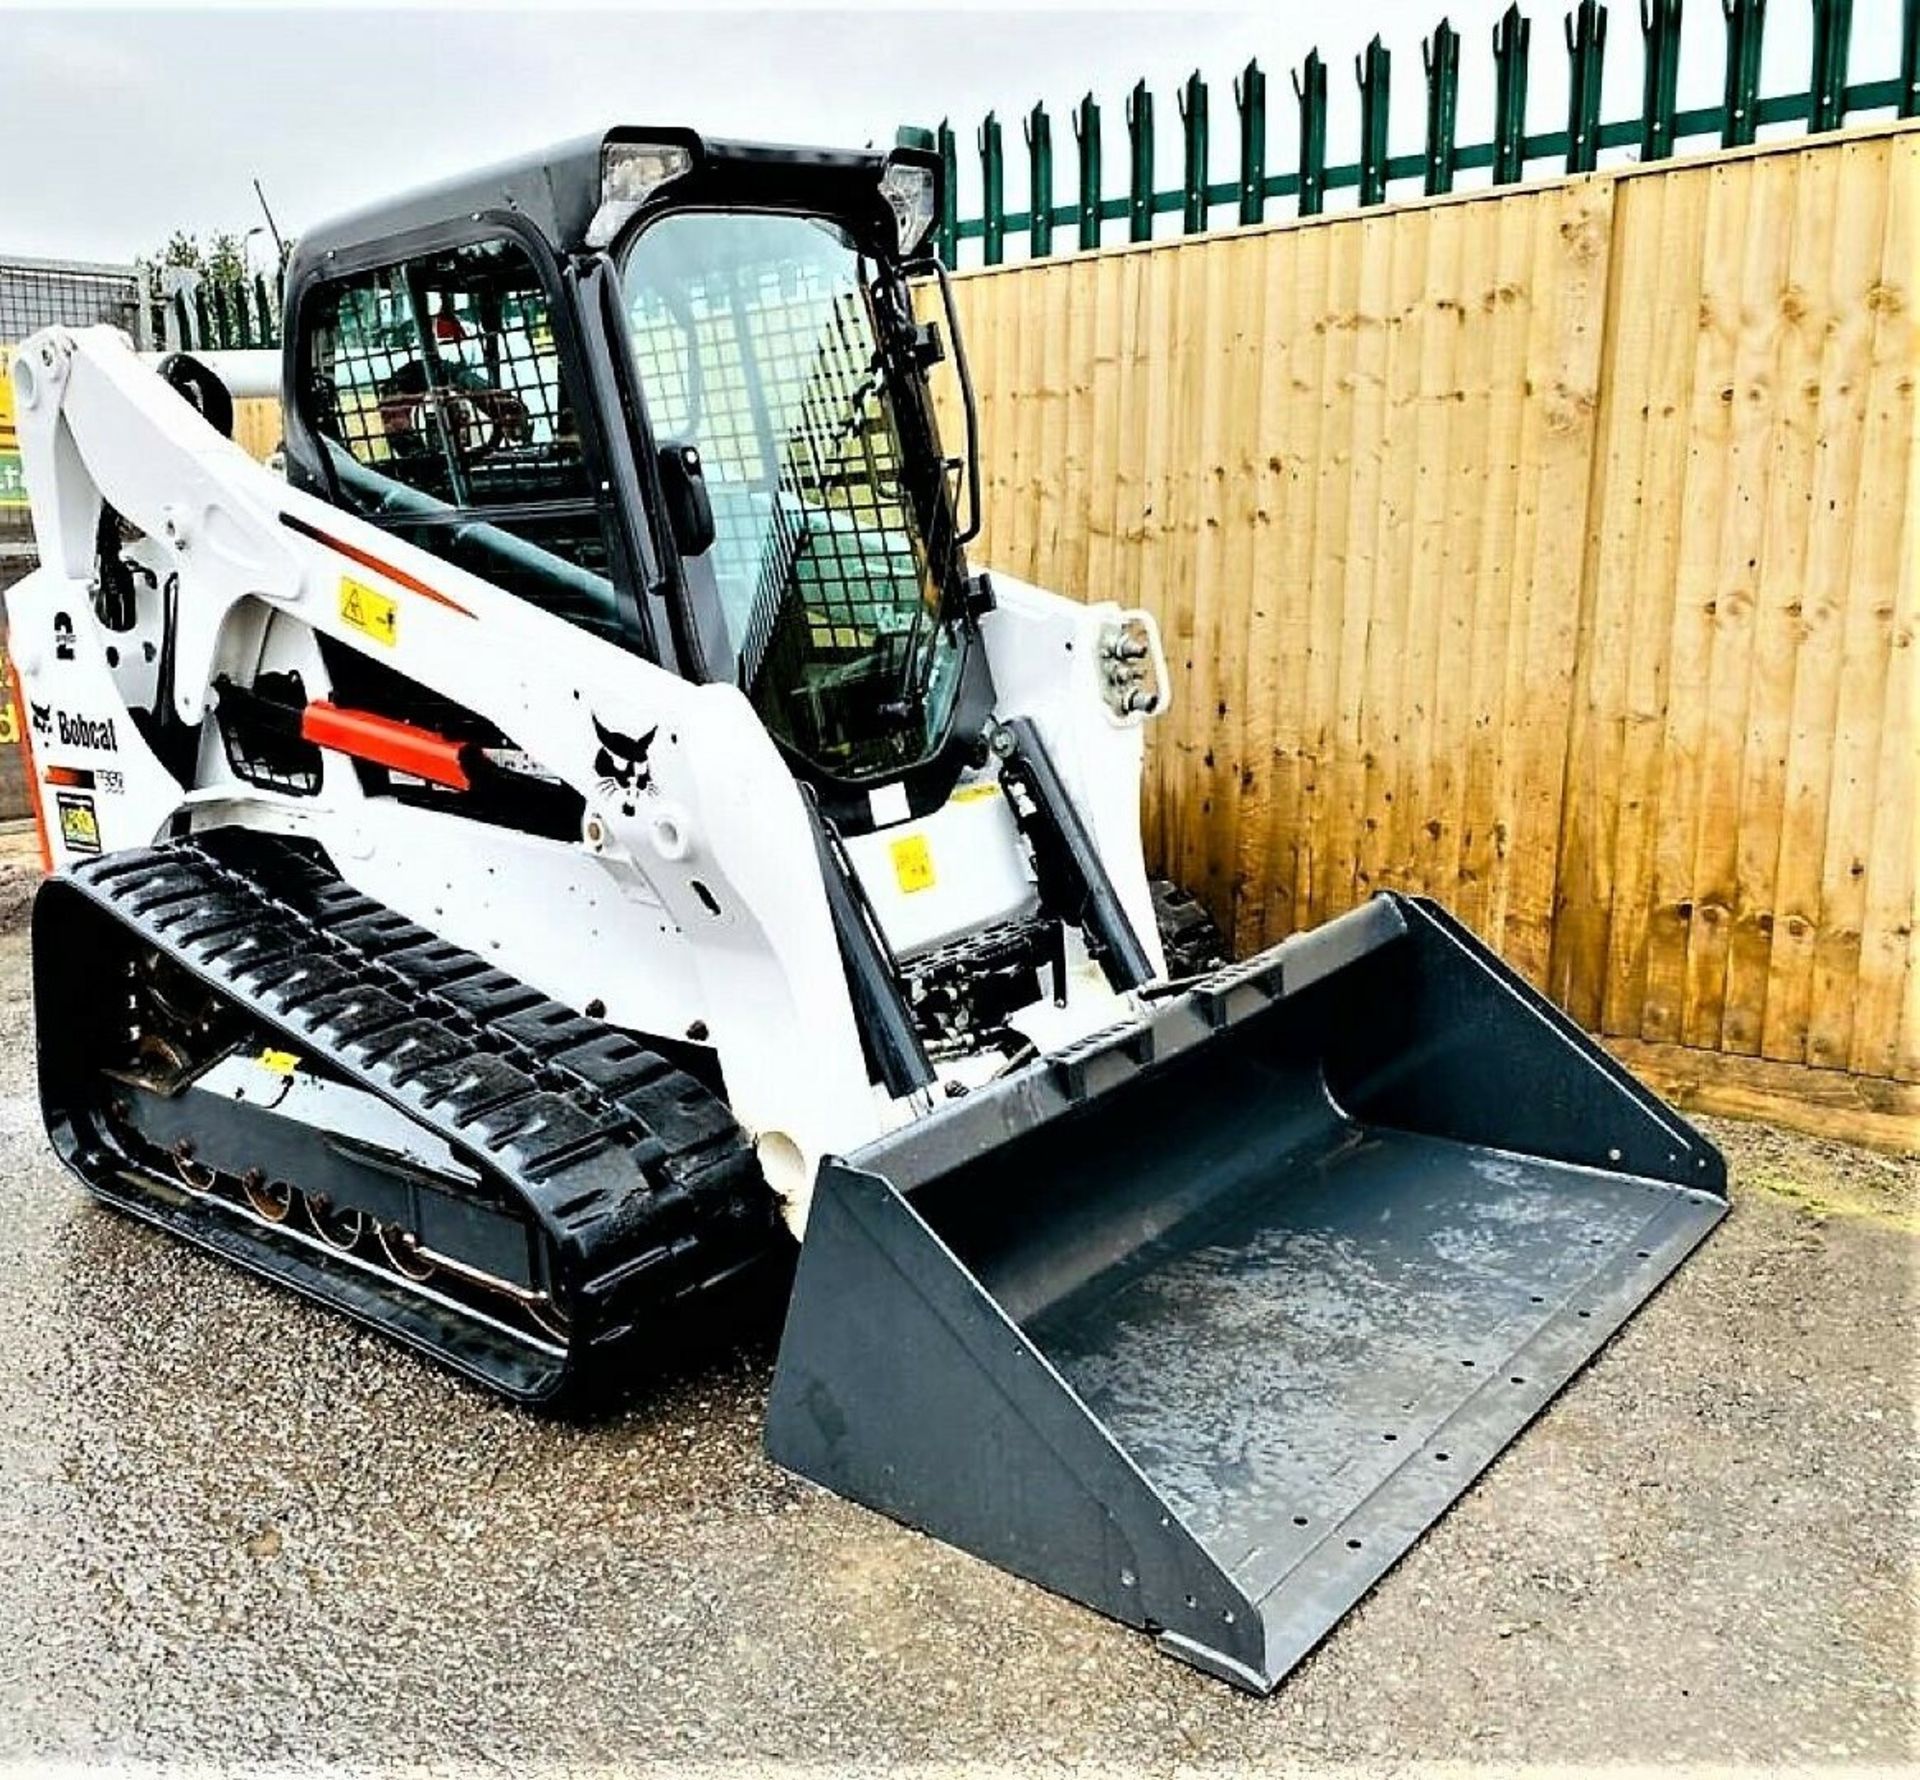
(933, 879)
(690, 908)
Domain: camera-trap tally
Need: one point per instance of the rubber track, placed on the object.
(639, 1175)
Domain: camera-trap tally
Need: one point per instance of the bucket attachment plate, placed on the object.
(1204, 1322)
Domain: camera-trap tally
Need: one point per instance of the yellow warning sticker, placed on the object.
(912, 863)
(280, 1062)
(369, 610)
(974, 793)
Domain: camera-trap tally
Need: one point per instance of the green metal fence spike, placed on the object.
(949, 194)
(1038, 130)
(1586, 29)
(1746, 26)
(269, 313)
(1193, 120)
(1910, 61)
(1140, 155)
(1511, 39)
(1250, 99)
(1832, 30)
(1660, 33)
(1374, 72)
(1310, 88)
(1086, 132)
(1441, 56)
(993, 208)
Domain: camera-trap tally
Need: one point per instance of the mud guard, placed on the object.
(1204, 1321)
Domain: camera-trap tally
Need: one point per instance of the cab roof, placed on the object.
(557, 191)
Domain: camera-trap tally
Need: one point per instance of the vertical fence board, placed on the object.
(1461, 739)
(1418, 824)
(1752, 316)
(1883, 572)
(1503, 307)
(1574, 233)
(1271, 639)
(1392, 638)
(1233, 532)
(1858, 198)
(1782, 640)
(1708, 427)
(1661, 229)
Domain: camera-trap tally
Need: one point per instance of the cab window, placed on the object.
(439, 391)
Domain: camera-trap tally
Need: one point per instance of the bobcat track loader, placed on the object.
(587, 825)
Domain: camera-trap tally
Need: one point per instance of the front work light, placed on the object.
(908, 190)
(630, 173)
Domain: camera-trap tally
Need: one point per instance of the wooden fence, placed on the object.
(1548, 551)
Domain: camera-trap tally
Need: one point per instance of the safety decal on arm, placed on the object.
(369, 611)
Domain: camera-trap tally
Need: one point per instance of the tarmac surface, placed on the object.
(236, 1530)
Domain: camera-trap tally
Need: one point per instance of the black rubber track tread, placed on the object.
(640, 1177)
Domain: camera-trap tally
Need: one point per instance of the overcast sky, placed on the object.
(117, 127)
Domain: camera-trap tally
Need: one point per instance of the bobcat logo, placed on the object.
(622, 764)
(42, 718)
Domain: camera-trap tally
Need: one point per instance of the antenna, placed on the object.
(273, 228)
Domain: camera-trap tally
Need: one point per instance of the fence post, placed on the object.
(1310, 88)
(1140, 150)
(1660, 32)
(993, 207)
(1039, 134)
(1441, 56)
(1586, 29)
(1193, 119)
(1832, 28)
(1910, 61)
(949, 193)
(1373, 71)
(1746, 24)
(1086, 132)
(1510, 40)
(1250, 97)
(269, 314)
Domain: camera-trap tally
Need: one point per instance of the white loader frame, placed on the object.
(692, 909)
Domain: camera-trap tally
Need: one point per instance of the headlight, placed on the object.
(630, 173)
(908, 190)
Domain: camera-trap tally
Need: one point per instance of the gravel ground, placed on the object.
(237, 1530)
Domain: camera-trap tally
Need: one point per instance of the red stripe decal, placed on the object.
(367, 560)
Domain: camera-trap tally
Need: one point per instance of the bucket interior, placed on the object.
(1288, 1289)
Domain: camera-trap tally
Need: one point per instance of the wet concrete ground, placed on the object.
(235, 1529)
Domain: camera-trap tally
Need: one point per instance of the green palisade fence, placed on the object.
(1827, 101)
(219, 316)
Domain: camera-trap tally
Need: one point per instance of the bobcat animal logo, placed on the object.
(622, 764)
(42, 718)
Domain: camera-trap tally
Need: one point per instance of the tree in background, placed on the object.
(222, 261)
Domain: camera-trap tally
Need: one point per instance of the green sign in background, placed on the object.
(13, 491)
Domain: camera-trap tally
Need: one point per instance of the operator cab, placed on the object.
(677, 391)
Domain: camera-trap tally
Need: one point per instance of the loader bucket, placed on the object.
(1205, 1321)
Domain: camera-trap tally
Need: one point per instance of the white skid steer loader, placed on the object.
(586, 826)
